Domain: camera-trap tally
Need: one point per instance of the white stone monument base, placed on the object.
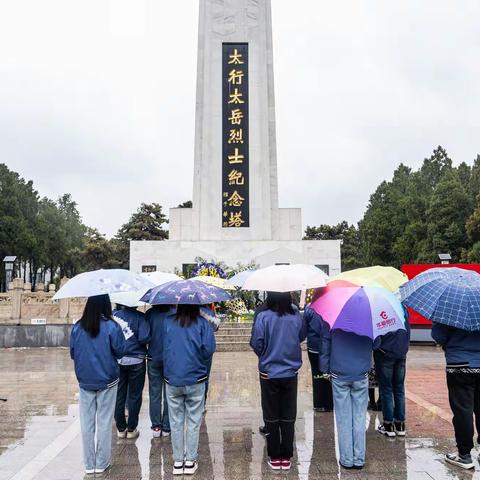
(170, 256)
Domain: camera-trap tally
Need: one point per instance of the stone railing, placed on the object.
(20, 306)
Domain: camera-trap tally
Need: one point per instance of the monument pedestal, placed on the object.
(235, 216)
(170, 255)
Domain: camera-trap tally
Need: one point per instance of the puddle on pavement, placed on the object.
(41, 391)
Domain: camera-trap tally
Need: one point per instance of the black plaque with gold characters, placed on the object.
(235, 178)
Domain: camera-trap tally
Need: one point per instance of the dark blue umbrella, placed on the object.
(445, 295)
(183, 292)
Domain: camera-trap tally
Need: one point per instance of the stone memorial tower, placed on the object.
(235, 216)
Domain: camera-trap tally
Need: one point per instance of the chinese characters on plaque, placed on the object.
(235, 178)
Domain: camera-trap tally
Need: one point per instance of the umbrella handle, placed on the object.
(303, 297)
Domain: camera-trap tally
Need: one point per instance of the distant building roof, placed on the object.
(10, 258)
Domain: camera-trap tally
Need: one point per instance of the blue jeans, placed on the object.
(132, 380)
(156, 389)
(186, 411)
(391, 379)
(96, 415)
(350, 401)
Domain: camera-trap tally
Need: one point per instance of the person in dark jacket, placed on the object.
(346, 358)
(276, 338)
(390, 365)
(208, 313)
(322, 388)
(159, 419)
(259, 309)
(462, 354)
(96, 342)
(189, 343)
(132, 370)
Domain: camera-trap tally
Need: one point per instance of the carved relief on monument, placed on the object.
(253, 13)
(224, 14)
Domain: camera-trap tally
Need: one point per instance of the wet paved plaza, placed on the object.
(40, 432)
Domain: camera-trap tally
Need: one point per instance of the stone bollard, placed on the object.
(64, 303)
(17, 290)
(40, 287)
(51, 287)
(27, 287)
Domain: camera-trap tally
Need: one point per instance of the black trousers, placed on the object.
(132, 381)
(279, 405)
(464, 398)
(322, 388)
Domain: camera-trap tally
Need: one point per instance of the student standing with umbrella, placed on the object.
(96, 342)
(132, 370)
(353, 317)
(159, 419)
(273, 280)
(390, 364)
(390, 356)
(450, 298)
(276, 338)
(188, 345)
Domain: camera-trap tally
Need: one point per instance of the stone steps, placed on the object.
(233, 337)
(234, 331)
(233, 347)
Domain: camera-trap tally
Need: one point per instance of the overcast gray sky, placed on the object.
(97, 98)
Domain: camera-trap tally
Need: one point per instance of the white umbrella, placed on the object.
(154, 279)
(286, 278)
(239, 278)
(129, 299)
(160, 278)
(100, 282)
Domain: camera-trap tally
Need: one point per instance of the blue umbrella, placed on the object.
(445, 295)
(185, 292)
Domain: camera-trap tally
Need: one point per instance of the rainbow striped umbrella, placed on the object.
(367, 311)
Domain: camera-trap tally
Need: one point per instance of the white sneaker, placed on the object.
(178, 468)
(165, 434)
(462, 461)
(133, 434)
(89, 471)
(386, 429)
(122, 434)
(102, 470)
(190, 468)
(156, 432)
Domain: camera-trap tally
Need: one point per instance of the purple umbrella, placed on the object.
(185, 292)
(365, 311)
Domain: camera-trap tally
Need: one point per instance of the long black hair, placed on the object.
(280, 303)
(161, 308)
(187, 314)
(97, 307)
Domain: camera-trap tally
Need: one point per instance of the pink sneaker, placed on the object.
(157, 432)
(286, 463)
